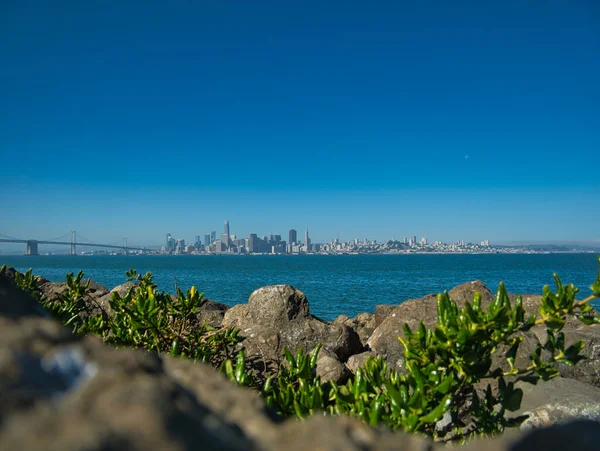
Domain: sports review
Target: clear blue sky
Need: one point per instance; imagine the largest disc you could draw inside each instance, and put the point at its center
(446, 119)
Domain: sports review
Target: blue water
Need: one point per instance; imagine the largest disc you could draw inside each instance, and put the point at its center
(334, 285)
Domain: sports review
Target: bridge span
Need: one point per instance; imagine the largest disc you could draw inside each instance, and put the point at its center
(31, 245)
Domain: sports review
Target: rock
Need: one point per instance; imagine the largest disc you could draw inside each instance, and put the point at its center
(278, 317)
(358, 360)
(212, 313)
(382, 312)
(466, 291)
(14, 302)
(557, 401)
(363, 324)
(384, 340)
(123, 289)
(96, 296)
(329, 368)
(237, 405)
(574, 435)
(344, 434)
(80, 394)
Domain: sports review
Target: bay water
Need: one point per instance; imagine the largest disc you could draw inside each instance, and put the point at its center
(333, 284)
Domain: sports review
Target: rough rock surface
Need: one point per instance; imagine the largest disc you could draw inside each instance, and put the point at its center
(363, 324)
(384, 340)
(212, 313)
(329, 368)
(278, 316)
(557, 401)
(358, 360)
(382, 311)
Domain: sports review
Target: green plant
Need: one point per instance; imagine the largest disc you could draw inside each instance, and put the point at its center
(442, 367)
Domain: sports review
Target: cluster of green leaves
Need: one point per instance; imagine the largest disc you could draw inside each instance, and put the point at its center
(143, 318)
(443, 366)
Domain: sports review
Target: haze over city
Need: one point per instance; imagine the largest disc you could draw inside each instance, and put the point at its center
(463, 121)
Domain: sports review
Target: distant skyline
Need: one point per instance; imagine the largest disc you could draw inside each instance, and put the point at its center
(452, 120)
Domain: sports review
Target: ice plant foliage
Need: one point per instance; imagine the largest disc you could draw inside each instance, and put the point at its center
(443, 365)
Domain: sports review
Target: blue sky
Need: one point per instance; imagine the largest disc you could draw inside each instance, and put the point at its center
(448, 119)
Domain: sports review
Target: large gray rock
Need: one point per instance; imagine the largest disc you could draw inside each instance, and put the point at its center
(358, 360)
(558, 400)
(212, 313)
(278, 317)
(95, 297)
(382, 311)
(329, 368)
(384, 340)
(61, 392)
(363, 324)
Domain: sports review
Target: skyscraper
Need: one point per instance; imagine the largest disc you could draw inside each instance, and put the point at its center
(293, 236)
(225, 236)
(307, 240)
(207, 240)
(253, 243)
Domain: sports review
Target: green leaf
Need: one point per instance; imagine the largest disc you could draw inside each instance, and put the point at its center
(438, 412)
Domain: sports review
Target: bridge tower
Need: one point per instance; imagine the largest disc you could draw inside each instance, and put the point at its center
(31, 248)
(73, 242)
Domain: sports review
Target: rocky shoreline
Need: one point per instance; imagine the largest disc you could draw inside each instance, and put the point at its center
(60, 391)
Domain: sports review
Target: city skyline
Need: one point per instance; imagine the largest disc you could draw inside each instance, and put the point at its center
(467, 120)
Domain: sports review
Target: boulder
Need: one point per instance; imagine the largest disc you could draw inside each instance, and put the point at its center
(326, 433)
(14, 302)
(384, 340)
(63, 392)
(363, 324)
(329, 368)
(278, 317)
(358, 360)
(124, 288)
(212, 313)
(382, 311)
(558, 400)
(574, 435)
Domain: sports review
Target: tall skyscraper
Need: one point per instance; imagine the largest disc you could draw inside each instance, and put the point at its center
(253, 243)
(293, 236)
(213, 236)
(207, 240)
(307, 240)
(226, 228)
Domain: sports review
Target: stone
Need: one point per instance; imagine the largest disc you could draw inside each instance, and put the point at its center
(384, 339)
(358, 360)
(124, 288)
(329, 368)
(212, 313)
(558, 400)
(322, 433)
(14, 303)
(363, 324)
(278, 317)
(382, 311)
(574, 435)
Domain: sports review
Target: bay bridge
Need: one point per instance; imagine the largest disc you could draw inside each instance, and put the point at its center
(31, 245)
